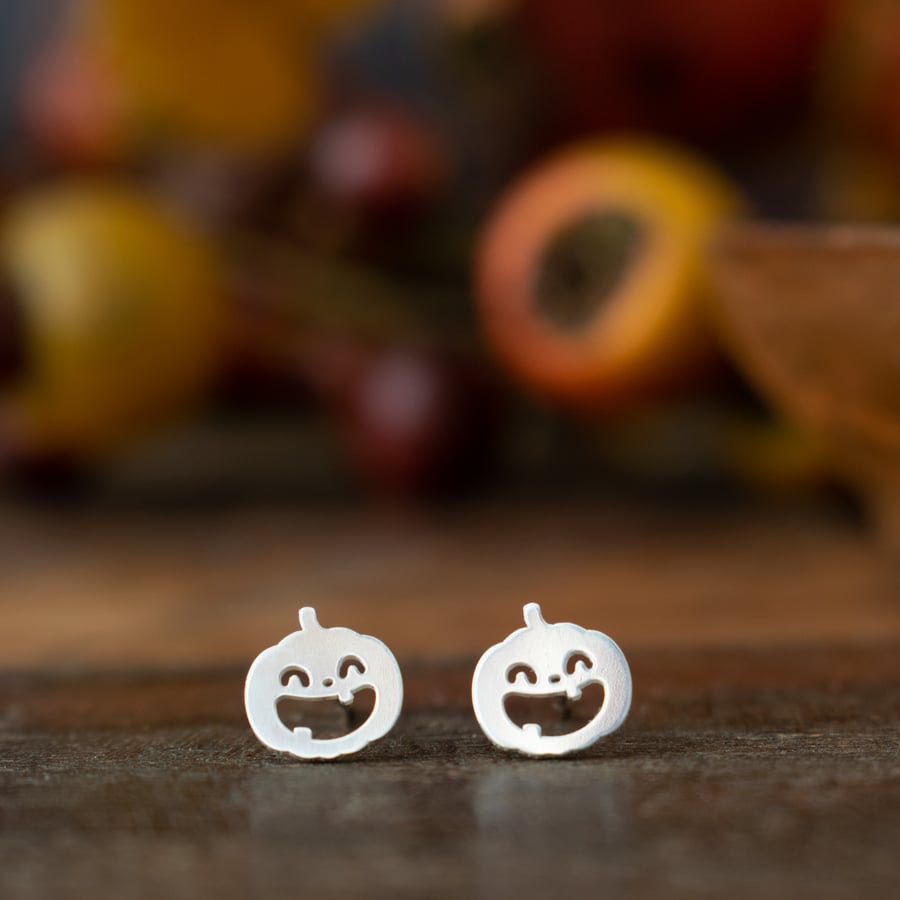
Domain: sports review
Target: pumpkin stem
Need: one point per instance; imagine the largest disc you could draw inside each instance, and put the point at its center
(533, 616)
(308, 619)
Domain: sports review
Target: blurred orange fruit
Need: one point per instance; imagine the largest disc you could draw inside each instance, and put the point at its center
(591, 273)
(209, 71)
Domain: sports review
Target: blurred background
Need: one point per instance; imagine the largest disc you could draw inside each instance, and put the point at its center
(418, 310)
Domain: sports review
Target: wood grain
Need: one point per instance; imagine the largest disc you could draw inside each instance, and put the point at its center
(120, 589)
(740, 773)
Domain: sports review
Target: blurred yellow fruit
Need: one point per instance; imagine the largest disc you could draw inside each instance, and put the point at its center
(123, 317)
(208, 71)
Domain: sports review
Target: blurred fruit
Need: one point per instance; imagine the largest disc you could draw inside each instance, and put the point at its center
(207, 72)
(73, 106)
(591, 273)
(413, 420)
(305, 325)
(704, 69)
(463, 70)
(121, 314)
(379, 161)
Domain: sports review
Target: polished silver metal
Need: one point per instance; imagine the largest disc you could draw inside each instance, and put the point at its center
(556, 662)
(315, 664)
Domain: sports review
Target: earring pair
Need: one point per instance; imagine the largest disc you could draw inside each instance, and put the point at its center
(538, 662)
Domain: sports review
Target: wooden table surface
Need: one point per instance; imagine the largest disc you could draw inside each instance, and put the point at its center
(742, 774)
(761, 758)
(107, 588)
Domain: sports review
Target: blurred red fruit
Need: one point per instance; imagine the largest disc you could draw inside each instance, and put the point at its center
(379, 161)
(73, 106)
(706, 69)
(415, 421)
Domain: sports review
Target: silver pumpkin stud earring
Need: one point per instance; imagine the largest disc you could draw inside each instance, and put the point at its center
(542, 661)
(315, 664)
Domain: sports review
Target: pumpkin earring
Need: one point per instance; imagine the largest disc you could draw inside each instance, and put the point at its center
(550, 662)
(315, 664)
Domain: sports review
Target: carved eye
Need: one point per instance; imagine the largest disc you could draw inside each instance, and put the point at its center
(530, 674)
(573, 659)
(296, 671)
(348, 663)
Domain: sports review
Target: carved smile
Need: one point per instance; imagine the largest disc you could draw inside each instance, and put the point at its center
(326, 718)
(553, 714)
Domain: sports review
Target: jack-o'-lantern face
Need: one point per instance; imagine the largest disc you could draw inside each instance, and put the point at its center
(554, 662)
(317, 664)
